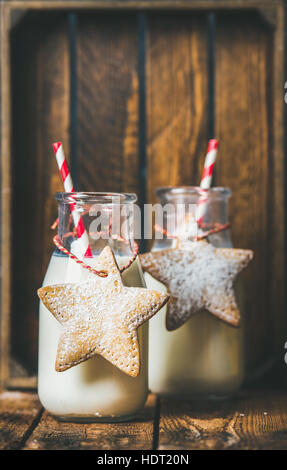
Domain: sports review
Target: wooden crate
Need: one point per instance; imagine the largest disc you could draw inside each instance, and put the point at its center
(134, 89)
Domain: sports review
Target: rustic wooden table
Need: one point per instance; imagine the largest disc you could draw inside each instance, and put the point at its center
(252, 420)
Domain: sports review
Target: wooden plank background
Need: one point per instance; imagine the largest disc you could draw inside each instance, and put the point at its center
(40, 60)
(107, 99)
(243, 111)
(130, 95)
(177, 101)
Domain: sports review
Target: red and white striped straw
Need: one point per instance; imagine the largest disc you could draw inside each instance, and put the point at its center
(206, 179)
(209, 164)
(85, 250)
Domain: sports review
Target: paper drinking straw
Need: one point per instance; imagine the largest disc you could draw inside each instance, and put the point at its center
(209, 164)
(85, 250)
(206, 179)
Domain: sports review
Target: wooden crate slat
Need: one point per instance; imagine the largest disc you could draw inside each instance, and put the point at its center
(107, 78)
(5, 195)
(254, 420)
(18, 412)
(142, 4)
(243, 116)
(277, 262)
(54, 435)
(177, 108)
(40, 88)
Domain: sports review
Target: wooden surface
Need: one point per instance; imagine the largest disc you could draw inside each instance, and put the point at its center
(253, 420)
(19, 412)
(133, 435)
(128, 95)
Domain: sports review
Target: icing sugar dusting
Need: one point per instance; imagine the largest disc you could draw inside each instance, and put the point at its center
(200, 277)
(101, 316)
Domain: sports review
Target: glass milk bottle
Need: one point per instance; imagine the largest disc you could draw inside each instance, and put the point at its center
(205, 355)
(94, 389)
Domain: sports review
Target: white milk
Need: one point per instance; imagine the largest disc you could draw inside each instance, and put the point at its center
(202, 357)
(94, 389)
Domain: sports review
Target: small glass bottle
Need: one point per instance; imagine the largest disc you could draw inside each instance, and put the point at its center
(205, 355)
(95, 389)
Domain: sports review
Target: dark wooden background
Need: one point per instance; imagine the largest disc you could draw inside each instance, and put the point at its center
(135, 95)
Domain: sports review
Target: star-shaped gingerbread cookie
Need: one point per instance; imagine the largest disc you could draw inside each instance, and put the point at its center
(200, 277)
(101, 316)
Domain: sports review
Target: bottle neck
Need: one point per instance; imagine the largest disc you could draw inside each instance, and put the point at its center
(91, 224)
(191, 212)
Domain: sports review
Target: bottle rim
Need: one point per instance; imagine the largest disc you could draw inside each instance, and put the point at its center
(95, 198)
(171, 191)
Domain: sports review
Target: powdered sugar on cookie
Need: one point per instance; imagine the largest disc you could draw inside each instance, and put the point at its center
(101, 316)
(200, 277)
